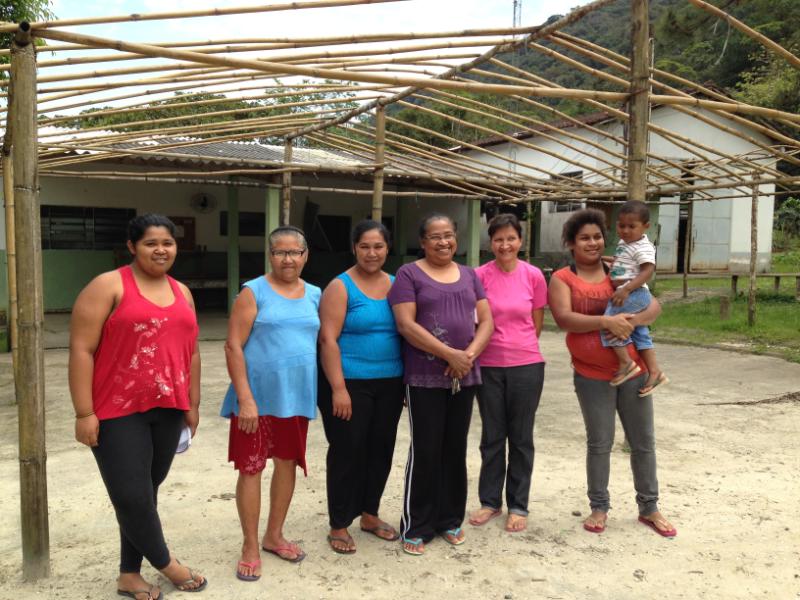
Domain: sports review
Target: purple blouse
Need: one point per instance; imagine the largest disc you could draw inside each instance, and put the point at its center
(447, 310)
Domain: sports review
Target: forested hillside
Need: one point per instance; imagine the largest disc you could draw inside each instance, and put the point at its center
(688, 42)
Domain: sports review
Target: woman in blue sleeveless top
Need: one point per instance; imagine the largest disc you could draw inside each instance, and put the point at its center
(362, 397)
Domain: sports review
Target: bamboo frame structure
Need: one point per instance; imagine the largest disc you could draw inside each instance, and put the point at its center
(350, 111)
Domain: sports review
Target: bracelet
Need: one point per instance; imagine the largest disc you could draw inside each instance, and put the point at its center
(84, 416)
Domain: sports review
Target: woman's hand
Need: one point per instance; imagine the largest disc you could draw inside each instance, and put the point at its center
(618, 326)
(342, 405)
(459, 363)
(248, 416)
(192, 419)
(87, 430)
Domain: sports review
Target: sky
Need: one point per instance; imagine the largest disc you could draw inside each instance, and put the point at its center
(391, 17)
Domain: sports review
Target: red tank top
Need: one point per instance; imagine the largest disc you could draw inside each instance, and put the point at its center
(589, 357)
(144, 355)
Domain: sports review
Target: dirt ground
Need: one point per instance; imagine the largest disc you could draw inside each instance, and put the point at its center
(728, 458)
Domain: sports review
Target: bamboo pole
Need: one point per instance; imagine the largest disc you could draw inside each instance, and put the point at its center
(286, 191)
(11, 252)
(761, 39)
(575, 15)
(380, 148)
(751, 294)
(639, 102)
(215, 12)
(29, 384)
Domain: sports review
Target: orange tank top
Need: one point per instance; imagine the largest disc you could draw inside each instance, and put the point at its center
(145, 353)
(589, 357)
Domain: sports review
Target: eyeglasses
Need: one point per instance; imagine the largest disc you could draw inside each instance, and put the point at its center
(287, 253)
(447, 237)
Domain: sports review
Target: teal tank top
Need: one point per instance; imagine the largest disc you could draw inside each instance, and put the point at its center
(281, 353)
(369, 342)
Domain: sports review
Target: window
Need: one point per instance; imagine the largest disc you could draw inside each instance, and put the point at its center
(84, 228)
(567, 205)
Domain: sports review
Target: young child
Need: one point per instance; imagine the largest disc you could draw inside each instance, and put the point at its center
(633, 264)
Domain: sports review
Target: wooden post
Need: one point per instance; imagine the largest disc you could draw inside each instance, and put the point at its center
(286, 209)
(380, 146)
(751, 294)
(11, 252)
(473, 233)
(639, 103)
(272, 215)
(29, 380)
(233, 245)
(724, 308)
(734, 285)
(536, 230)
(687, 252)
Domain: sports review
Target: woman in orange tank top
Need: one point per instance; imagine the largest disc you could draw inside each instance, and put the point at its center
(577, 297)
(134, 377)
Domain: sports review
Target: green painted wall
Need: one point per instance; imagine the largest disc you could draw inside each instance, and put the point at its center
(66, 272)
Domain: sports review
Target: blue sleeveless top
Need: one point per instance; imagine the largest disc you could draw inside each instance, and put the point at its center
(369, 342)
(281, 353)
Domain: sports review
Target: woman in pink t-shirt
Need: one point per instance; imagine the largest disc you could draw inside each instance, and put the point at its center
(513, 375)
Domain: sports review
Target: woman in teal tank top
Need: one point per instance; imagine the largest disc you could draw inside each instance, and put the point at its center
(361, 396)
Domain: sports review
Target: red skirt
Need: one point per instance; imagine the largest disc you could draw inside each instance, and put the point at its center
(276, 437)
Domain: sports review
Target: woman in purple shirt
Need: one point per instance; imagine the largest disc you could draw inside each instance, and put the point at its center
(436, 302)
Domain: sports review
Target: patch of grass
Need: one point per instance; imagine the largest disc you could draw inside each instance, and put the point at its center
(777, 328)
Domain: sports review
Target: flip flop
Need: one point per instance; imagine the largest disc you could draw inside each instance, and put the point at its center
(417, 546)
(451, 536)
(344, 540)
(667, 534)
(496, 512)
(294, 548)
(598, 528)
(249, 565)
(522, 519)
(191, 580)
(383, 527)
(134, 593)
(647, 389)
(622, 376)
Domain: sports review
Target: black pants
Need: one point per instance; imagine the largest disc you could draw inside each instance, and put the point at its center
(134, 455)
(435, 497)
(508, 400)
(360, 450)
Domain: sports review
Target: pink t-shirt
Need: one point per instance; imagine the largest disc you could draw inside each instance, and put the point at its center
(513, 297)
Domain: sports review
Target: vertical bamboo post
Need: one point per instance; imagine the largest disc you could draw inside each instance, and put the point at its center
(11, 252)
(286, 190)
(380, 147)
(233, 245)
(272, 215)
(29, 380)
(751, 294)
(639, 102)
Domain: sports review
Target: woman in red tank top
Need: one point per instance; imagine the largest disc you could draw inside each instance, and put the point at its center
(134, 376)
(577, 297)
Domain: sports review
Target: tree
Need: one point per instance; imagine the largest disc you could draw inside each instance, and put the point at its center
(15, 11)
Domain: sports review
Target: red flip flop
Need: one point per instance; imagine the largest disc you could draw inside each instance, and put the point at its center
(668, 533)
(594, 528)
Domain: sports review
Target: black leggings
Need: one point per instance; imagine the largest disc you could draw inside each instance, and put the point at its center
(360, 450)
(134, 455)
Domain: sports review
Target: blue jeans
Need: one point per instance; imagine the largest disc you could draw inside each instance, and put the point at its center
(637, 301)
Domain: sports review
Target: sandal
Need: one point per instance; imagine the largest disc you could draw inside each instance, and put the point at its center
(483, 515)
(623, 375)
(134, 593)
(648, 387)
(516, 523)
(347, 541)
(454, 537)
(393, 535)
(181, 586)
(417, 546)
(595, 525)
(248, 565)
